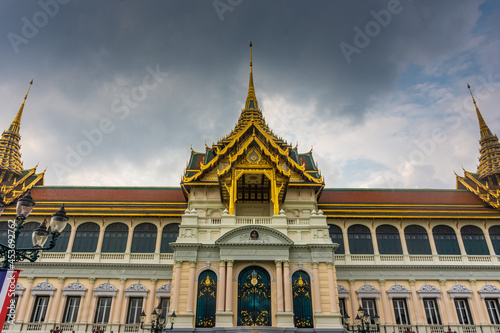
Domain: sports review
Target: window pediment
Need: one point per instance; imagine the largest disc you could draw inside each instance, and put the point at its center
(254, 235)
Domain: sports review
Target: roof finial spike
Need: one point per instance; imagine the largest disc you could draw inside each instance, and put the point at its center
(251, 103)
(485, 131)
(16, 124)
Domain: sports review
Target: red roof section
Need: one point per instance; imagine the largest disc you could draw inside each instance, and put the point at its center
(380, 196)
(107, 194)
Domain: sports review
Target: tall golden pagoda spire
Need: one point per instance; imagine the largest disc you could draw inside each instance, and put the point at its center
(489, 161)
(10, 155)
(483, 128)
(251, 103)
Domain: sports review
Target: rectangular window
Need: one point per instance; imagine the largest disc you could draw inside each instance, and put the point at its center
(342, 309)
(165, 305)
(102, 311)
(370, 307)
(493, 310)
(400, 311)
(134, 310)
(431, 311)
(463, 311)
(71, 309)
(40, 309)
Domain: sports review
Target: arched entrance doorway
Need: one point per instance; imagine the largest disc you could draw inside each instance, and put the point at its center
(254, 297)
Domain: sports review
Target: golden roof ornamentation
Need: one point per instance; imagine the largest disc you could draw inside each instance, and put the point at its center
(14, 179)
(485, 183)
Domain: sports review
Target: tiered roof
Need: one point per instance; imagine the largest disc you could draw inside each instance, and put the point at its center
(485, 183)
(14, 180)
(250, 131)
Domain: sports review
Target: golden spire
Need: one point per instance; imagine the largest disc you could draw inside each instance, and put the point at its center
(489, 161)
(251, 103)
(483, 128)
(16, 124)
(10, 155)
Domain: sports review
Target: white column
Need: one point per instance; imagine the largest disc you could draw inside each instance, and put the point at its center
(24, 309)
(315, 285)
(221, 289)
(416, 307)
(446, 302)
(279, 285)
(56, 301)
(286, 286)
(192, 290)
(332, 287)
(150, 300)
(229, 286)
(177, 287)
(386, 316)
(83, 315)
(119, 302)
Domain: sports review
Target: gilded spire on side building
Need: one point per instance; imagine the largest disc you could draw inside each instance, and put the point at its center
(10, 155)
(489, 161)
(251, 103)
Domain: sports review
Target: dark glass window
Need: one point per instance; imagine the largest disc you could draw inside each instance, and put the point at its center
(62, 240)
(445, 240)
(432, 311)
(26, 235)
(494, 232)
(474, 241)
(115, 238)
(4, 228)
(493, 310)
(360, 239)
(169, 235)
(165, 305)
(417, 240)
(337, 237)
(463, 311)
(302, 302)
(342, 309)
(40, 309)
(207, 299)
(401, 311)
(388, 240)
(102, 311)
(370, 308)
(86, 237)
(71, 309)
(144, 238)
(134, 310)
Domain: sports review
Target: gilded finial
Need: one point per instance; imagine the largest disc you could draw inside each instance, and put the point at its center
(483, 128)
(16, 124)
(251, 103)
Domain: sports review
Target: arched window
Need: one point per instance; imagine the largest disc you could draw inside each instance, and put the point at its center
(26, 235)
(445, 240)
(144, 239)
(86, 237)
(337, 237)
(254, 297)
(207, 299)
(388, 240)
(4, 229)
(494, 232)
(169, 235)
(302, 303)
(115, 238)
(474, 241)
(62, 240)
(417, 240)
(360, 239)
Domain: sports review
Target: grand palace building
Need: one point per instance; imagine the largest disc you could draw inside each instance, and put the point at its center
(252, 241)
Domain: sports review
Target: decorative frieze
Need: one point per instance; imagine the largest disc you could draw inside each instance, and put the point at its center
(136, 290)
(459, 290)
(105, 289)
(429, 291)
(489, 290)
(43, 288)
(368, 291)
(74, 289)
(398, 291)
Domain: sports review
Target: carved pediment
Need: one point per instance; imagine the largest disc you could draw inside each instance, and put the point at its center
(254, 235)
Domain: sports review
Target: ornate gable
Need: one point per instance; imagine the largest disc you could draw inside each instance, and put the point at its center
(251, 163)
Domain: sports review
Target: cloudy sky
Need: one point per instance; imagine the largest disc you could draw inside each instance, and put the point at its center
(123, 89)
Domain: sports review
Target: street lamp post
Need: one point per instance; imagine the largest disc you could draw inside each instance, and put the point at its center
(158, 324)
(363, 322)
(10, 252)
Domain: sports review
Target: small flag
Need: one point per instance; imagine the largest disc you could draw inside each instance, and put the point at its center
(8, 281)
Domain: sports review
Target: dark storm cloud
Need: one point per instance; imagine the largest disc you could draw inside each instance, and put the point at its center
(91, 53)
